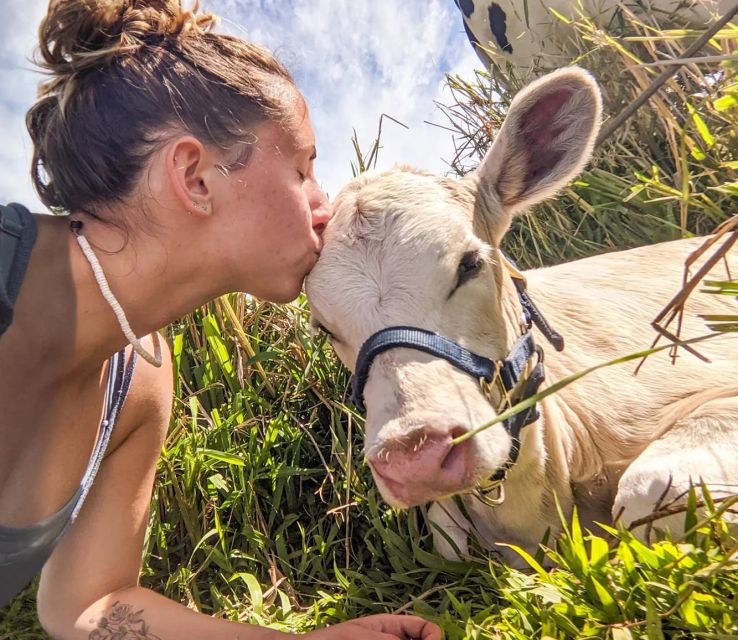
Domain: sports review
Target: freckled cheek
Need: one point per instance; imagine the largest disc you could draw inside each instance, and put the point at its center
(295, 214)
(279, 224)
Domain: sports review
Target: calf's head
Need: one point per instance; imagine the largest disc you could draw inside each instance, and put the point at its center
(409, 248)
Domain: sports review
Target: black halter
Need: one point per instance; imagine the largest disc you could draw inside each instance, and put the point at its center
(507, 372)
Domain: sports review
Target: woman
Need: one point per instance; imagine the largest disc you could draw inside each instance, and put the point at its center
(162, 141)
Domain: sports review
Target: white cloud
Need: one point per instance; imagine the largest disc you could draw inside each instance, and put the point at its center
(357, 60)
(353, 59)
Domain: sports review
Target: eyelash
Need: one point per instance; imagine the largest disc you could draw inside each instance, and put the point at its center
(325, 332)
(471, 264)
(304, 176)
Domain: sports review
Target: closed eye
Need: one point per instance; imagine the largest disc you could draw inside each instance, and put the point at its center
(317, 329)
(308, 171)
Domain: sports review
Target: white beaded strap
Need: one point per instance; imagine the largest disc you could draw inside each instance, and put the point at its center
(155, 359)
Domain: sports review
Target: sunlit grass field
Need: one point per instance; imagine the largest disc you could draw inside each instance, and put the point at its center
(264, 510)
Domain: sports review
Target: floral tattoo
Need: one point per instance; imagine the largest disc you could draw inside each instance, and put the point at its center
(122, 624)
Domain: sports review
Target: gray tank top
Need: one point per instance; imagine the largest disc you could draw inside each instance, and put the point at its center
(24, 550)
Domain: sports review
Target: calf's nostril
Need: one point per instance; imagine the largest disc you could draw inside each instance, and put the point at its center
(457, 432)
(423, 452)
(457, 453)
(418, 466)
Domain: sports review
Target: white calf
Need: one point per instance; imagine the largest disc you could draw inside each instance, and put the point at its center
(407, 248)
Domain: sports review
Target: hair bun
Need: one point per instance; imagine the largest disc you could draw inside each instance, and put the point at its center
(77, 35)
(160, 17)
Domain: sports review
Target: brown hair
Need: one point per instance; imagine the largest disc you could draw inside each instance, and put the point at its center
(126, 72)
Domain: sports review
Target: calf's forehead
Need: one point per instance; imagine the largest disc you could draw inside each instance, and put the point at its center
(408, 200)
(390, 233)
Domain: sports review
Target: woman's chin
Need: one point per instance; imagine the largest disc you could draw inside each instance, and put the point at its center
(283, 284)
(282, 292)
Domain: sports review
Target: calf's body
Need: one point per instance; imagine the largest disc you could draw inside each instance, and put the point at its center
(615, 443)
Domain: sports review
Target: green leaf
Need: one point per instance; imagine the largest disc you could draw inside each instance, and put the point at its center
(256, 595)
(599, 551)
(218, 347)
(219, 482)
(224, 456)
(654, 630)
(701, 126)
(723, 103)
(644, 554)
(527, 557)
(608, 602)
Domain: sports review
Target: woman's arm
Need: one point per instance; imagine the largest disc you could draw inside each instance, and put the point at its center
(140, 613)
(145, 615)
(89, 587)
(101, 552)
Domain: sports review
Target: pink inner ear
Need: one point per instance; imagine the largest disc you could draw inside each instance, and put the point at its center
(538, 134)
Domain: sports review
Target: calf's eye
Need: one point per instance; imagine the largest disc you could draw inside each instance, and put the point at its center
(470, 265)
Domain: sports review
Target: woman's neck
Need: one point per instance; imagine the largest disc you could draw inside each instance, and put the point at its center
(63, 304)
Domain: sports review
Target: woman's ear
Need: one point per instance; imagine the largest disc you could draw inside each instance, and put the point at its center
(545, 141)
(188, 172)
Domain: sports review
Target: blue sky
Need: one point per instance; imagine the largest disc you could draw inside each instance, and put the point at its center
(353, 59)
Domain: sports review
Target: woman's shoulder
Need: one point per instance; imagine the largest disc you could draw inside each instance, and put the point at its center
(150, 395)
(152, 384)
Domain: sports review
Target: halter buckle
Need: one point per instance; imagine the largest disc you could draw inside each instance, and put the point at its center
(487, 388)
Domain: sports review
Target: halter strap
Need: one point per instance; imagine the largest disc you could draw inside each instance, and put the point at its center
(530, 310)
(422, 340)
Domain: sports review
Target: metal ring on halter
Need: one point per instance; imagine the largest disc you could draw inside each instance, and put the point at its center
(484, 494)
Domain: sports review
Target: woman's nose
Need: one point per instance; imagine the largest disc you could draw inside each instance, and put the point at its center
(322, 209)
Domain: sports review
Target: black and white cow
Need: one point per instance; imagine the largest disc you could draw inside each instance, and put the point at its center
(528, 34)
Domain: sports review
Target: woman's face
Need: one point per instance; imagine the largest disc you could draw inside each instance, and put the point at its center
(276, 210)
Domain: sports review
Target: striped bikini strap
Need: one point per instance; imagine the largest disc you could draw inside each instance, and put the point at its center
(120, 374)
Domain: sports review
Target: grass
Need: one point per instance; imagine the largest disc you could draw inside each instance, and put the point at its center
(264, 510)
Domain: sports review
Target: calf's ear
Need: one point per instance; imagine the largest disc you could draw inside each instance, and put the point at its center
(545, 141)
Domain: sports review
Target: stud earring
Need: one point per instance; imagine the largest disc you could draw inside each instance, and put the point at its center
(201, 205)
